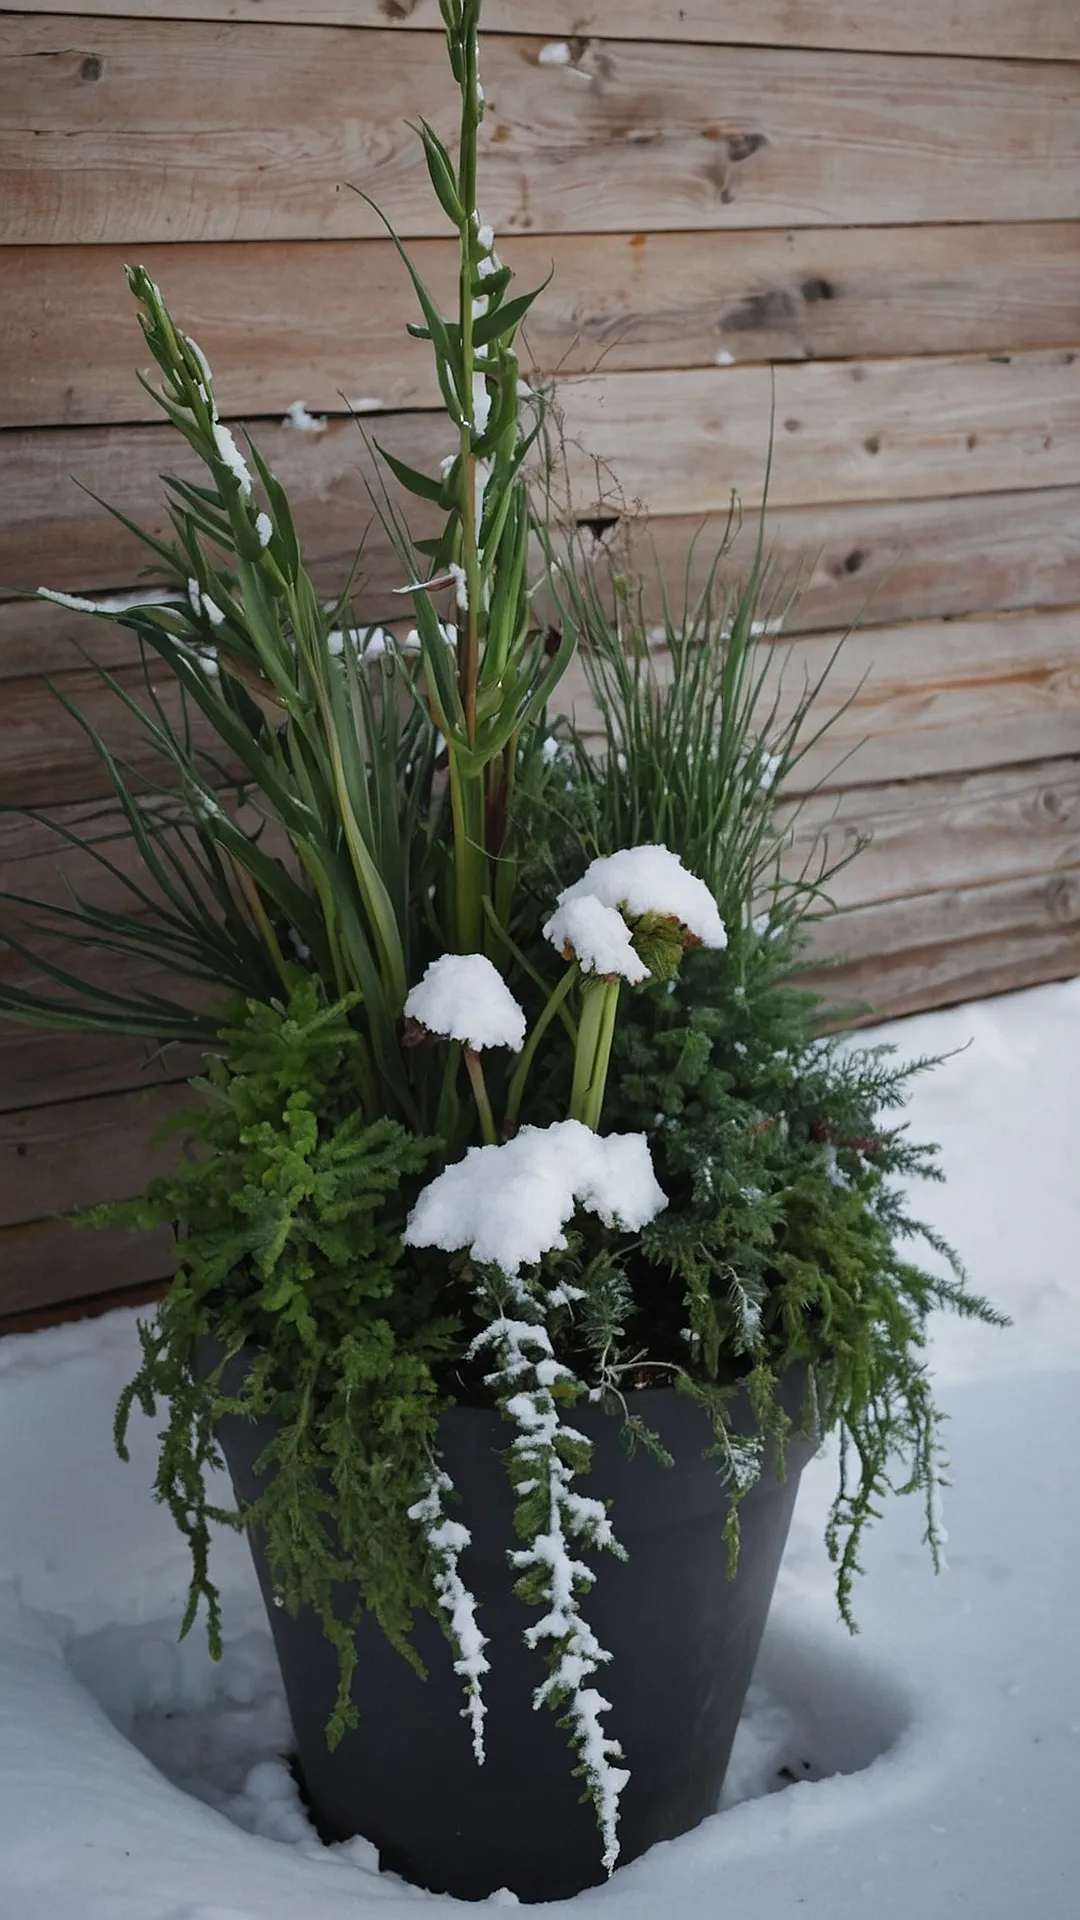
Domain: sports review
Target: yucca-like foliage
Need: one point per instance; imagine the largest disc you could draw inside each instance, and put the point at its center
(349, 850)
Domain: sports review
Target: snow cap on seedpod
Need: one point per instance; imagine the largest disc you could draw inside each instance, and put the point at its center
(633, 913)
(462, 996)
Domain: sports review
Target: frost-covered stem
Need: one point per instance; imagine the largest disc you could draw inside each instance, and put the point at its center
(447, 1540)
(520, 1074)
(544, 1459)
(475, 1069)
(592, 1056)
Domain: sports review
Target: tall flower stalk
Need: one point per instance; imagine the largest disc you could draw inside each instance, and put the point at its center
(503, 679)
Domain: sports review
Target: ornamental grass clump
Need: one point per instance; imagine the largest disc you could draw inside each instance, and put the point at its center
(511, 1095)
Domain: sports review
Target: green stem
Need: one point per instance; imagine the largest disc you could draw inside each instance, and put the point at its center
(474, 1068)
(526, 965)
(521, 1071)
(467, 791)
(249, 889)
(598, 1085)
(592, 1055)
(467, 810)
(470, 647)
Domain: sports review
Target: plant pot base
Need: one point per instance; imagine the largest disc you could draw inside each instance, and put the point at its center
(683, 1640)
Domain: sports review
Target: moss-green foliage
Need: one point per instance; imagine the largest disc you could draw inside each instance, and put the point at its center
(292, 1209)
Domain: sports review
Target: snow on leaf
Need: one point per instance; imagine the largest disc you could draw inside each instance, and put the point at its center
(447, 1540)
(230, 456)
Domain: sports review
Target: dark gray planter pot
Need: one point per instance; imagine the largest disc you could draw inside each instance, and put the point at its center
(684, 1639)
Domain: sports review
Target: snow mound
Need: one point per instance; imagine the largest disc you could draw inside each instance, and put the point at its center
(597, 937)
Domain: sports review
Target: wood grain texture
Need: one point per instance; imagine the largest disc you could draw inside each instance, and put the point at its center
(880, 562)
(316, 320)
(36, 860)
(1027, 949)
(931, 836)
(631, 136)
(925, 698)
(1038, 30)
(864, 430)
(939, 697)
(883, 430)
(89, 1307)
(46, 758)
(873, 564)
(39, 1067)
(50, 1261)
(53, 1159)
(956, 945)
(920, 836)
(930, 698)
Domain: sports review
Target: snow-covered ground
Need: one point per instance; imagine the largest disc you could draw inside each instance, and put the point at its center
(930, 1767)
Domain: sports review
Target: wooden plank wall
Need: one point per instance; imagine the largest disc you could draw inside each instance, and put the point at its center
(870, 210)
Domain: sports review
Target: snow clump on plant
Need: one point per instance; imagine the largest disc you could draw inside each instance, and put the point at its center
(462, 996)
(510, 1204)
(652, 879)
(597, 937)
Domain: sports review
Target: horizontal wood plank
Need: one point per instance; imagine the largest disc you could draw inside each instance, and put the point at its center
(921, 699)
(314, 321)
(928, 836)
(876, 563)
(906, 981)
(919, 836)
(47, 759)
(88, 1307)
(939, 697)
(54, 1159)
(904, 956)
(628, 136)
(934, 697)
(1043, 30)
(873, 564)
(883, 430)
(865, 430)
(39, 1066)
(48, 1262)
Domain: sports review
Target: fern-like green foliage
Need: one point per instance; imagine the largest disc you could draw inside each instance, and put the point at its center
(291, 1256)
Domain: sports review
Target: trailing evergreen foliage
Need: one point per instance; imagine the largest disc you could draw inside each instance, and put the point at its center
(291, 1257)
